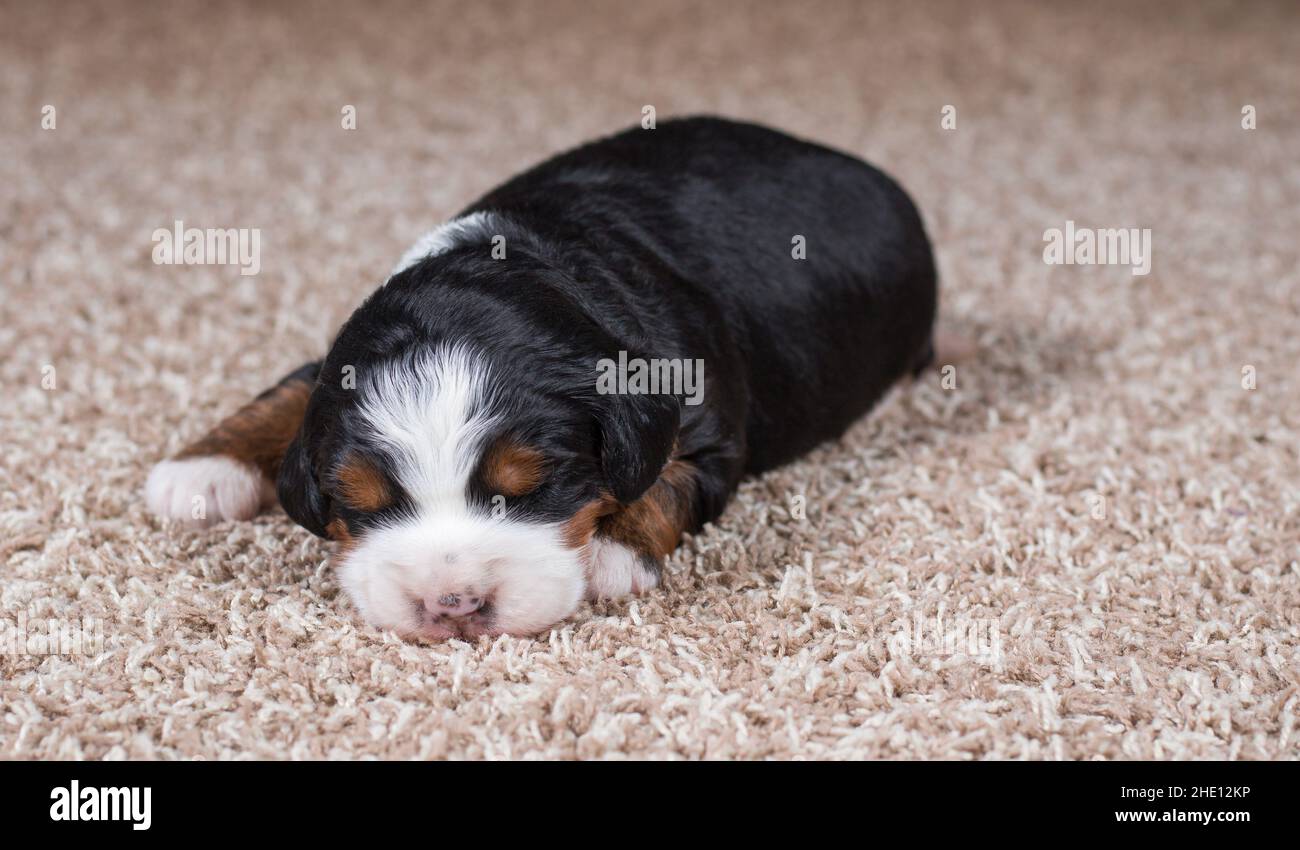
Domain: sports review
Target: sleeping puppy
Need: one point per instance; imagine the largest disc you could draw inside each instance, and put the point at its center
(550, 389)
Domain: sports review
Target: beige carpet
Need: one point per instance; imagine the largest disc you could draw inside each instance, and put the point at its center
(1098, 503)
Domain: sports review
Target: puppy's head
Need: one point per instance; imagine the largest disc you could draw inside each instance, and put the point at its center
(463, 484)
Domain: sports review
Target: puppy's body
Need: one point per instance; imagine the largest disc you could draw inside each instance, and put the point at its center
(455, 441)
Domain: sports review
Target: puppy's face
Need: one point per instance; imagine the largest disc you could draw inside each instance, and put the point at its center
(463, 496)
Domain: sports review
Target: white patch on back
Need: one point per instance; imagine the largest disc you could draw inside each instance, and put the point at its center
(447, 236)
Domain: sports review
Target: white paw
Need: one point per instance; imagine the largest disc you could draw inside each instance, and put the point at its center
(616, 571)
(203, 491)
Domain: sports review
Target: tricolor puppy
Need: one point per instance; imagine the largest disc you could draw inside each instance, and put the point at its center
(463, 441)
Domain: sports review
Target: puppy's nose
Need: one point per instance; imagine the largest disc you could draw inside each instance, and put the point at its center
(453, 604)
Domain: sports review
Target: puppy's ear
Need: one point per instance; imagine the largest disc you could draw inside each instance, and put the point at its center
(637, 434)
(299, 492)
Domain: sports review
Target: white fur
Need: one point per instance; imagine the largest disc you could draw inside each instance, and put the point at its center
(224, 488)
(616, 571)
(429, 413)
(430, 416)
(446, 236)
(529, 577)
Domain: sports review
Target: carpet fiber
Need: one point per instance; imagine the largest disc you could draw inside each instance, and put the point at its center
(1084, 546)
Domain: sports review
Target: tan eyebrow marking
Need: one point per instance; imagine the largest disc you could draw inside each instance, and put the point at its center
(362, 486)
(512, 468)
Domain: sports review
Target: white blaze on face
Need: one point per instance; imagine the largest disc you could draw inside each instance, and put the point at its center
(431, 415)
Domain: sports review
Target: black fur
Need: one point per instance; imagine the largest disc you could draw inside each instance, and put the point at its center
(674, 242)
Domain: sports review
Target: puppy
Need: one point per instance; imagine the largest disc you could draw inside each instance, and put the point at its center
(504, 427)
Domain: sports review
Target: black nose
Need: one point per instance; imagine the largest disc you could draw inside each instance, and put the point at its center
(453, 604)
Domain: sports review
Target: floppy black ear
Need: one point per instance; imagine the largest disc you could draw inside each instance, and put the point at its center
(637, 433)
(299, 494)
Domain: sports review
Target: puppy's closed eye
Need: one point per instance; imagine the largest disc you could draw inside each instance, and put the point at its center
(513, 468)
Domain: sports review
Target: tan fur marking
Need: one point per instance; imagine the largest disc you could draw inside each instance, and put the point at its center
(362, 486)
(259, 432)
(512, 468)
(578, 530)
(338, 532)
(654, 523)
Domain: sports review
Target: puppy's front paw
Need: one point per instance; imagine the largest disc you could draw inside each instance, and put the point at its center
(202, 491)
(617, 570)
